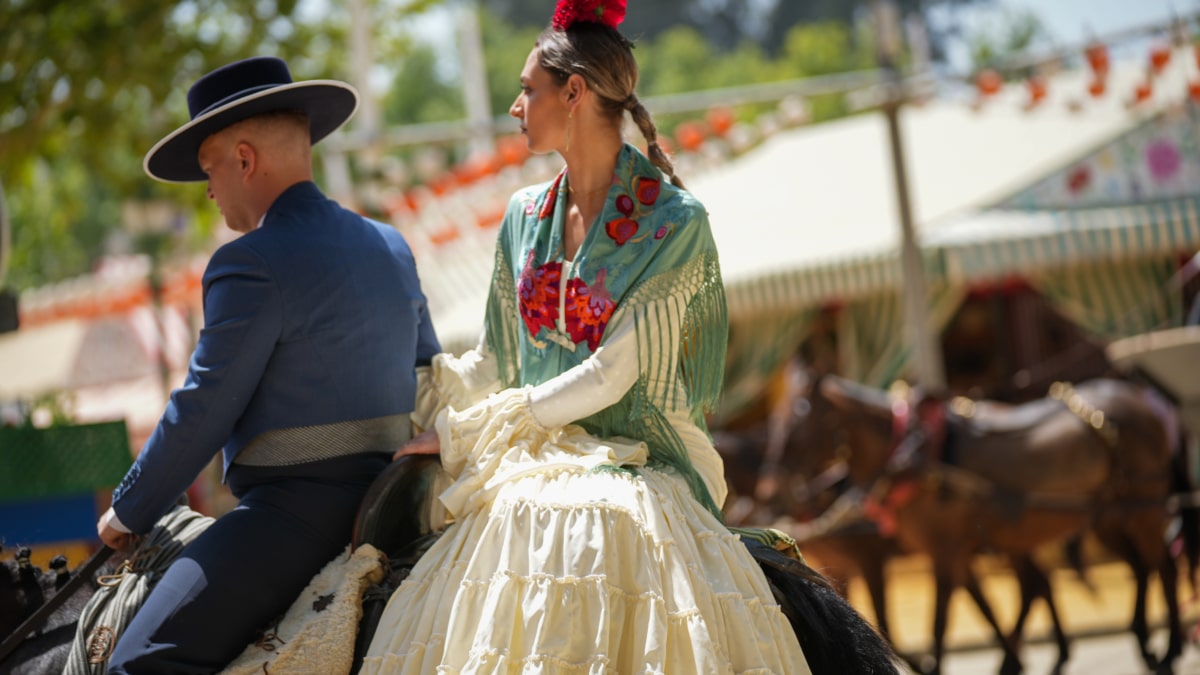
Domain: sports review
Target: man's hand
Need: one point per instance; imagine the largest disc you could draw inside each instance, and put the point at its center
(118, 540)
(424, 443)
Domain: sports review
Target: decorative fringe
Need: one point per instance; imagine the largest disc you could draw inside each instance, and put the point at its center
(501, 326)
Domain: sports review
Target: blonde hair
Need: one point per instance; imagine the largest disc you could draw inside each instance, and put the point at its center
(604, 59)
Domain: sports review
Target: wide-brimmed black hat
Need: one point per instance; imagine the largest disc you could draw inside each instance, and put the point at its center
(240, 90)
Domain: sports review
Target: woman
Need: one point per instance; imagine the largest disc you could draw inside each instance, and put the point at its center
(587, 534)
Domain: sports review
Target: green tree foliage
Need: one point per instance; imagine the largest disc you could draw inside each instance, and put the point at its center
(1009, 35)
(643, 20)
(505, 48)
(89, 87)
(725, 24)
(787, 13)
(418, 93)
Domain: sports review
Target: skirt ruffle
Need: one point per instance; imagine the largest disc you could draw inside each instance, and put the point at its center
(578, 567)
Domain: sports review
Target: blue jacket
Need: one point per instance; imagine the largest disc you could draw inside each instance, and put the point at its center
(314, 318)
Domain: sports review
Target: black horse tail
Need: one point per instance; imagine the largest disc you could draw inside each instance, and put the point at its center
(836, 639)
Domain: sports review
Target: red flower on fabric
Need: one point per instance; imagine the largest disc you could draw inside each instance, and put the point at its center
(551, 198)
(588, 309)
(608, 12)
(1078, 179)
(648, 189)
(625, 205)
(537, 293)
(621, 229)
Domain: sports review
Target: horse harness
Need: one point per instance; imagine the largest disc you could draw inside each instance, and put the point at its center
(924, 452)
(35, 620)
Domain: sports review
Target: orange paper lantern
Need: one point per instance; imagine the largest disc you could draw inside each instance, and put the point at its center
(690, 136)
(1097, 57)
(1160, 56)
(1037, 89)
(720, 120)
(988, 82)
(1143, 92)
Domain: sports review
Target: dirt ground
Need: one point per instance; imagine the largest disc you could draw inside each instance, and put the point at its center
(1106, 607)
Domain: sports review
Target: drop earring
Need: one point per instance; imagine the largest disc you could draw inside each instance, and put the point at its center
(568, 146)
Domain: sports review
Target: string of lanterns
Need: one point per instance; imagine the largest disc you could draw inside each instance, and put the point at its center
(448, 203)
(989, 82)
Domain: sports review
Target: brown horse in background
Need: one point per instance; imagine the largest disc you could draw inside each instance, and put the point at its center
(1007, 479)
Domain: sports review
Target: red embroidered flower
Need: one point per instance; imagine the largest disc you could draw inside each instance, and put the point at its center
(621, 229)
(588, 310)
(608, 12)
(625, 205)
(551, 198)
(537, 293)
(648, 189)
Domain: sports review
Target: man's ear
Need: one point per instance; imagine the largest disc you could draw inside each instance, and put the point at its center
(246, 157)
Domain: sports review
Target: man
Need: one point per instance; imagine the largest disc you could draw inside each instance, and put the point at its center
(305, 371)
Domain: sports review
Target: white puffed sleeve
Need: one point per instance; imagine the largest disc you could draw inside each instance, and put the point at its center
(455, 381)
(597, 383)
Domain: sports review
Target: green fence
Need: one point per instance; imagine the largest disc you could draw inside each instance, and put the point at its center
(37, 463)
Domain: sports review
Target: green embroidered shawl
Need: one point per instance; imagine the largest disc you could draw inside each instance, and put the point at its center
(650, 255)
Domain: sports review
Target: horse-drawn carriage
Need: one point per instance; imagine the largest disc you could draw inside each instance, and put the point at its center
(1170, 361)
(955, 478)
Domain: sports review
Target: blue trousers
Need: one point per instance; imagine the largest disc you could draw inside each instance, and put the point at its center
(248, 567)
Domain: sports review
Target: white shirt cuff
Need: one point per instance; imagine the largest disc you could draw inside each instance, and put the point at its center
(115, 523)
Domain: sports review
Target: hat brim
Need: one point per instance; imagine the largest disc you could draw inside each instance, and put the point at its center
(328, 104)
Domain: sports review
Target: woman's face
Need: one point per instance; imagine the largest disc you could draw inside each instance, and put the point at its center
(541, 107)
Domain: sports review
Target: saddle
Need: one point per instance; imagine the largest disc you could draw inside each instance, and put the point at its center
(401, 517)
(1036, 448)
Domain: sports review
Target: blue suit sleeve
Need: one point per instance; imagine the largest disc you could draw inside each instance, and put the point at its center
(242, 323)
(428, 345)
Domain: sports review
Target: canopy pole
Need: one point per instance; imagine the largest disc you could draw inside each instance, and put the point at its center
(926, 350)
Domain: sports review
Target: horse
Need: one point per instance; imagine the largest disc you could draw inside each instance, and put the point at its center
(821, 514)
(1002, 478)
(396, 518)
(24, 588)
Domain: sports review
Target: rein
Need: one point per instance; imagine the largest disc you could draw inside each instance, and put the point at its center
(917, 441)
(35, 620)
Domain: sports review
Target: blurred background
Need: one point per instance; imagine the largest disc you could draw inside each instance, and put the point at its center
(978, 196)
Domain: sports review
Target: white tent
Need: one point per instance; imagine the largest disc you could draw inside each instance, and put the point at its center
(812, 214)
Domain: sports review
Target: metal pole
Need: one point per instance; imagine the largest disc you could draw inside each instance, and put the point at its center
(475, 86)
(926, 352)
(368, 119)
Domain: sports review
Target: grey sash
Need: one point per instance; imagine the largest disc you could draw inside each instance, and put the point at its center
(299, 445)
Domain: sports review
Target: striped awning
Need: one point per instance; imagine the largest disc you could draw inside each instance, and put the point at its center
(791, 289)
(999, 243)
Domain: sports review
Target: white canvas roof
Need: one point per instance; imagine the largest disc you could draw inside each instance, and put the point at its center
(825, 194)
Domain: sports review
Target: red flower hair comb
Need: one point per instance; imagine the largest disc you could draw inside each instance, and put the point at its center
(608, 12)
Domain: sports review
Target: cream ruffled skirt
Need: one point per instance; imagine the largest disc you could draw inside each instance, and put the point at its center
(557, 563)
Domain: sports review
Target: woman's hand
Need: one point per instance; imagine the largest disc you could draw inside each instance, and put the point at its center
(424, 443)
